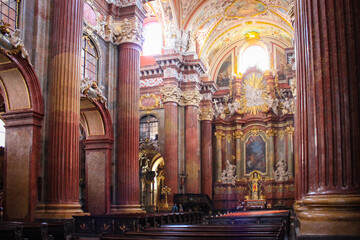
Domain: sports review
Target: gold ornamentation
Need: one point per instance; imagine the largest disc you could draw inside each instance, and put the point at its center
(255, 131)
(206, 113)
(254, 97)
(191, 98)
(281, 133)
(219, 134)
(166, 190)
(149, 102)
(171, 94)
(252, 36)
(228, 138)
(289, 130)
(238, 134)
(271, 132)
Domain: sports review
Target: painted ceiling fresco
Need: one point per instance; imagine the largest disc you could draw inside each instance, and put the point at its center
(216, 24)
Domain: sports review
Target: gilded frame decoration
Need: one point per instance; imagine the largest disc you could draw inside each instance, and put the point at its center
(263, 136)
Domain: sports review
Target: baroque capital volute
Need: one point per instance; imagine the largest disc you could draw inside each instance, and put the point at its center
(191, 98)
(170, 94)
(129, 31)
(219, 134)
(206, 113)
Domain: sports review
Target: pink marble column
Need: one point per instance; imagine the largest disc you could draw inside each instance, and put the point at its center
(62, 198)
(206, 157)
(192, 151)
(327, 117)
(171, 147)
(127, 129)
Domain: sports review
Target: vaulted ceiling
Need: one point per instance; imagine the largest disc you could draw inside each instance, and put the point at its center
(216, 24)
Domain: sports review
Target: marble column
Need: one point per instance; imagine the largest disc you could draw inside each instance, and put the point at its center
(327, 117)
(206, 117)
(272, 165)
(171, 96)
(219, 137)
(62, 198)
(290, 150)
(127, 121)
(237, 136)
(192, 154)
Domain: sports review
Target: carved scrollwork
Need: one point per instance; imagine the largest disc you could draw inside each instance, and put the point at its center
(129, 30)
(191, 98)
(171, 94)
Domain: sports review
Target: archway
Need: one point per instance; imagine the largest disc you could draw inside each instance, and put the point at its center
(23, 116)
(98, 143)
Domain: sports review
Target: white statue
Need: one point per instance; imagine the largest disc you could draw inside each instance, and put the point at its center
(274, 104)
(281, 174)
(17, 43)
(253, 96)
(91, 90)
(228, 175)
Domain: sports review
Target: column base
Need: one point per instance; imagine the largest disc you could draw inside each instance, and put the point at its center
(330, 215)
(124, 209)
(58, 211)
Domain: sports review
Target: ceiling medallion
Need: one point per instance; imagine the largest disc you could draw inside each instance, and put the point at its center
(245, 8)
(254, 98)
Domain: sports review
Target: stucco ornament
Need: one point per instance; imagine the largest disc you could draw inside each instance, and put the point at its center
(90, 90)
(170, 94)
(281, 174)
(228, 175)
(191, 98)
(129, 30)
(18, 44)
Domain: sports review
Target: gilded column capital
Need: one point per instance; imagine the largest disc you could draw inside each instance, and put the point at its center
(238, 134)
(191, 98)
(129, 31)
(206, 113)
(219, 134)
(289, 130)
(271, 132)
(171, 94)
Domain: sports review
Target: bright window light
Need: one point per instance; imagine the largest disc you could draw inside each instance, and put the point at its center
(2, 134)
(153, 39)
(254, 56)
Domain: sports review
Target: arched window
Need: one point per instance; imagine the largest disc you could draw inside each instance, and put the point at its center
(254, 56)
(148, 128)
(90, 59)
(153, 39)
(9, 12)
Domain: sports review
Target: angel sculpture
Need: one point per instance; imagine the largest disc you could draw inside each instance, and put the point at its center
(18, 44)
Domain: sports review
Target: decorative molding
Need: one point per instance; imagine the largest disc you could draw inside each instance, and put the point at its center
(238, 134)
(151, 82)
(219, 134)
(90, 90)
(11, 43)
(149, 102)
(191, 98)
(171, 73)
(129, 31)
(271, 132)
(171, 94)
(289, 130)
(228, 138)
(206, 113)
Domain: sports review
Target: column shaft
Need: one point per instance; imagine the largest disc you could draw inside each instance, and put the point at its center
(192, 158)
(64, 111)
(327, 116)
(206, 158)
(171, 148)
(127, 128)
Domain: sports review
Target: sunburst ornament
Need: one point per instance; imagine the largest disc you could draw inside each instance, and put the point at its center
(254, 98)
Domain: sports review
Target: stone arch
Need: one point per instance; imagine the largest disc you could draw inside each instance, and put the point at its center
(24, 111)
(98, 153)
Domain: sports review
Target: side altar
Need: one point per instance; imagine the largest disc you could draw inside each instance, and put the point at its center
(253, 141)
